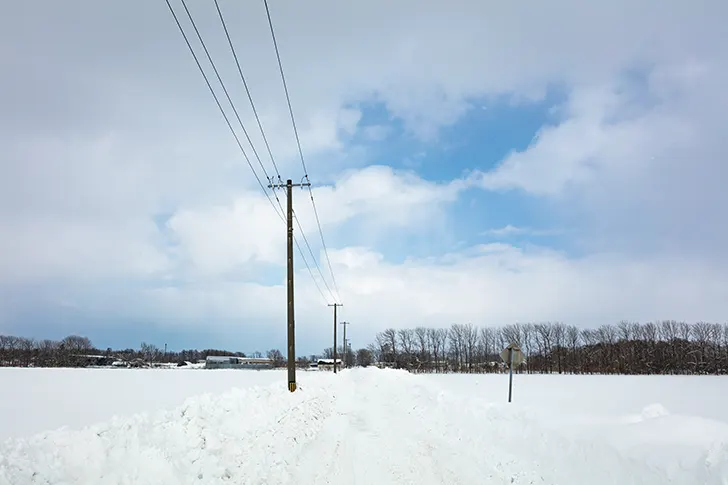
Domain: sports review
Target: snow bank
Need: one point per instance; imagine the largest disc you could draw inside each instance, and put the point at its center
(242, 436)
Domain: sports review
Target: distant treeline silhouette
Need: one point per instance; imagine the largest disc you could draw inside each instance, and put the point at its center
(73, 350)
(666, 347)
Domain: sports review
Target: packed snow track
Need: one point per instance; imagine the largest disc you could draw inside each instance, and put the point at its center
(364, 426)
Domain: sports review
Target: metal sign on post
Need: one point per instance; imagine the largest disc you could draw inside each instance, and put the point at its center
(513, 356)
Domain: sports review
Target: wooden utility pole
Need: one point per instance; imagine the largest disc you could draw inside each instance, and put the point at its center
(335, 305)
(346, 354)
(291, 320)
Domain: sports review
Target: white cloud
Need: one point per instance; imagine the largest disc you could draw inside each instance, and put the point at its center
(637, 161)
(399, 198)
(124, 132)
(48, 249)
(595, 137)
(510, 230)
(498, 284)
(492, 284)
(220, 238)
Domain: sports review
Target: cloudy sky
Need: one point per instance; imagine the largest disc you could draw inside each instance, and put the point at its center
(472, 161)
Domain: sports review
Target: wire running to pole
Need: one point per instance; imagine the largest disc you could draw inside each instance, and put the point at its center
(247, 90)
(323, 243)
(300, 251)
(265, 138)
(232, 130)
(227, 95)
(298, 143)
(305, 239)
(219, 106)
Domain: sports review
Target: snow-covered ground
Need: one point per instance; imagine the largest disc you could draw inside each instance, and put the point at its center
(361, 426)
(35, 400)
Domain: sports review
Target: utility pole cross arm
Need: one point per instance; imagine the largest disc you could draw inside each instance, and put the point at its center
(288, 183)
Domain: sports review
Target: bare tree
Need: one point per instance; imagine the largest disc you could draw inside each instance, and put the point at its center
(527, 335)
(544, 338)
(573, 338)
(375, 352)
(488, 345)
(150, 352)
(702, 335)
(26, 346)
(78, 344)
(47, 350)
(364, 357)
(559, 335)
(437, 340)
(457, 346)
(422, 346)
(406, 338)
(276, 356)
(470, 344)
(390, 337)
(625, 331)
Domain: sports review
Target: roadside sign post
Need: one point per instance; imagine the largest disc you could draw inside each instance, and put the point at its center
(513, 356)
(510, 374)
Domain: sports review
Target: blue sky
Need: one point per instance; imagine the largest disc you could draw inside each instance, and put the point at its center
(480, 140)
(486, 163)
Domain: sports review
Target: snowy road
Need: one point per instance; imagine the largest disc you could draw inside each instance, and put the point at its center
(378, 437)
(361, 427)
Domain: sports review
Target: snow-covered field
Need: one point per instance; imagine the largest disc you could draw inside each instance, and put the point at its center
(362, 426)
(36, 400)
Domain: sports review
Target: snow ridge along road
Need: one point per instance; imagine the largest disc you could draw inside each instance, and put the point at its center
(363, 426)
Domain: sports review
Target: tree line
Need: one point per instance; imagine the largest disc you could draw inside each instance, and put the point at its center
(665, 347)
(73, 351)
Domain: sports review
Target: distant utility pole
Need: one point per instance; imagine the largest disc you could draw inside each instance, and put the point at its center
(291, 326)
(335, 305)
(346, 354)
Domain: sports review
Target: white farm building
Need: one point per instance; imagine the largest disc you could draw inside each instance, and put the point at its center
(233, 362)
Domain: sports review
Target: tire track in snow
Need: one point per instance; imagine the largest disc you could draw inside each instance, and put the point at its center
(389, 427)
(373, 437)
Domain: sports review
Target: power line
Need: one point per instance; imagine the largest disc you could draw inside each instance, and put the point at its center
(323, 243)
(305, 239)
(309, 271)
(227, 95)
(265, 139)
(219, 106)
(250, 97)
(298, 143)
(232, 131)
(285, 87)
